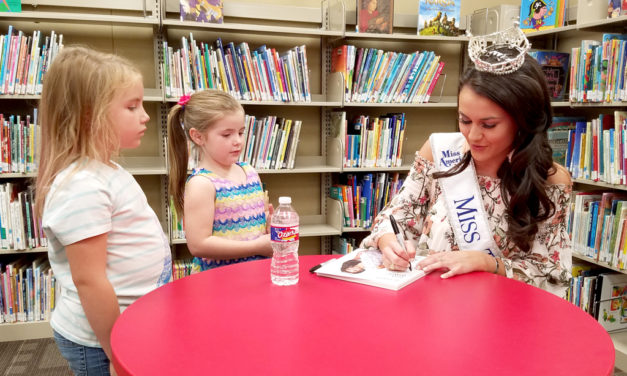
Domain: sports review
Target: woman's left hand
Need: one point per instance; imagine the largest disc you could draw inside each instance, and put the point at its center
(457, 262)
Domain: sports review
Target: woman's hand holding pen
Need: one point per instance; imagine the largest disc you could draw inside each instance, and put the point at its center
(458, 262)
(394, 256)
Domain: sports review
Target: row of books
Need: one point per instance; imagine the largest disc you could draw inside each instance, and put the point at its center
(341, 245)
(598, 227)
(24, 59)
(27, 290)
(597, 149)
(370, 141)
(181, 268)
(602, 295)
(559, 136)
(176, 223)
(376, 76)
(19, 143)
(597, 70)
(270, 142)
(19, 227)
(364, 195)
(260, 75)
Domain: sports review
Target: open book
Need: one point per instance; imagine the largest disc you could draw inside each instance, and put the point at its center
(366, 266)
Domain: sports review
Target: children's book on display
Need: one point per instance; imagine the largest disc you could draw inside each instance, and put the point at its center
(375, 16)
(11, 6)
(611, 300)
(555, 66)
(438, 17)
(365, 266)
(209, 11)
(538, 15)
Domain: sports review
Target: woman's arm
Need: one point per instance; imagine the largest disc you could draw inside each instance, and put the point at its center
(409, 207)
(199, 213)
(88, 265)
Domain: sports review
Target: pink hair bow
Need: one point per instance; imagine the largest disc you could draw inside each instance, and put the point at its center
(183, 100)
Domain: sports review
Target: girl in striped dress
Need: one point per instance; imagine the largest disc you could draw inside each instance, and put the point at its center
(222, 201)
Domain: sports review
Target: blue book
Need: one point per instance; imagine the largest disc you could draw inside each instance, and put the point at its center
(594, 213)
(385, 97)
(580, 129)
(422, 73)
(367, 193)
(362, 73)
(395, 56)
(5, 57)
(413, 74)
(222, 57)
(261, 51)
(240, 76)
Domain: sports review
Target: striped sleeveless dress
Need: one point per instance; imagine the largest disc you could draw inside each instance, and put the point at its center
(239, 213)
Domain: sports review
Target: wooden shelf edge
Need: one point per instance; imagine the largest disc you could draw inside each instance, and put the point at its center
(599, 263)
(600, 184)
(21, 251)
(620, 346)
(19, 331)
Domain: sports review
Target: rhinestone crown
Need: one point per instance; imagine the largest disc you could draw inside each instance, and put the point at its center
(487, 51)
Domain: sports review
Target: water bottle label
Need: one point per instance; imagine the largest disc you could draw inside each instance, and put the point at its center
(284, 234)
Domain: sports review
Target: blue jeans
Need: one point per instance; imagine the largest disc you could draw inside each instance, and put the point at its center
(84, 360)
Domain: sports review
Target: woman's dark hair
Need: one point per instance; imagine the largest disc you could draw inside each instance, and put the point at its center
(524, 95)
(349, 264)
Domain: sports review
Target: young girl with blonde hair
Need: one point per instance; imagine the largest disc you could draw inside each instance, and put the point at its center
(222, 201)
(107, 247)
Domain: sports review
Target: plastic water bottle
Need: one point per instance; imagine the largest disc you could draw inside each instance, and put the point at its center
(284, 240)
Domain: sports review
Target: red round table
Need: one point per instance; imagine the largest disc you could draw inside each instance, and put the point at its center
(234, 321)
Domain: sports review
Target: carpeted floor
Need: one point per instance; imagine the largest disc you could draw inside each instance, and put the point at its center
(36, 357)
(40, 357)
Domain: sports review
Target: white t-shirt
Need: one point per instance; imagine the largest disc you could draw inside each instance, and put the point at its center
(94, 200)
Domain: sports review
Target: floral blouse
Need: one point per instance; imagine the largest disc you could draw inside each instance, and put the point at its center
(421, 212)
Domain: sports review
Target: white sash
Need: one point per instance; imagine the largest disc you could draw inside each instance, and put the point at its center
(462, 195)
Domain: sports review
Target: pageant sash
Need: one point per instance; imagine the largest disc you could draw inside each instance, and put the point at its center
(462, 196)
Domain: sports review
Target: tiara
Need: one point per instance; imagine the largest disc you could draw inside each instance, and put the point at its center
(486, 51)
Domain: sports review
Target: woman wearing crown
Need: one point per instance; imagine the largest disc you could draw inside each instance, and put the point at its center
(489, 198)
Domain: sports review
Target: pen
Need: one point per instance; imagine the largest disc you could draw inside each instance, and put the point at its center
(316, 267)
(399, 237)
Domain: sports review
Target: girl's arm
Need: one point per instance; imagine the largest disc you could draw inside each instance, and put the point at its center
(88, 264)
(199, 213)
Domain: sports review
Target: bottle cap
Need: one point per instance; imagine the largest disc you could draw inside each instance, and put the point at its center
(285, 200)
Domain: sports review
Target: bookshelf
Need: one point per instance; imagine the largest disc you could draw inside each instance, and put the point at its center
(136, 29)
(563, 39)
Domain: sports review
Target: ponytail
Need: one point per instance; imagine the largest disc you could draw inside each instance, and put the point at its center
(178, 156)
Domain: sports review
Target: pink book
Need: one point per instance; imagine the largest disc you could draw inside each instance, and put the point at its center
(433, 82)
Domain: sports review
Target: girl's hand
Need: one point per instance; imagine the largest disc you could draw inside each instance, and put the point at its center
(269, 212)
(264, 245)
(394, 257)
(458, 262)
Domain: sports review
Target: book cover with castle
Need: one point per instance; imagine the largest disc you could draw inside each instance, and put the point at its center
(438, 17)
(209, 11)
